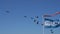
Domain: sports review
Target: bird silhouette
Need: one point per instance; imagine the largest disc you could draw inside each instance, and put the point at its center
(25, 16)
(7, 11)
(36, 17)
(34, 20)
(37, 22)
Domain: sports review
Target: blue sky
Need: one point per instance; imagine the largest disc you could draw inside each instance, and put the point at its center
(15, 23)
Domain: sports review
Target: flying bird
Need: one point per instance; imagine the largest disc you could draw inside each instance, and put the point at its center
(37, 22)
(25, 16)
(51, 31)
(34, 20)
(7, 11)
(36, 17)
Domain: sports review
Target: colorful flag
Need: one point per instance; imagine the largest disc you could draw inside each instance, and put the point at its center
(57, 12)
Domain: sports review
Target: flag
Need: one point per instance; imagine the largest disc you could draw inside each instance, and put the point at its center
(49, 23)
(47, 16)
(46, 19)
(57, 12)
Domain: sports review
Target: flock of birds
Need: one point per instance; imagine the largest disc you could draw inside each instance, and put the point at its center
(34, 19)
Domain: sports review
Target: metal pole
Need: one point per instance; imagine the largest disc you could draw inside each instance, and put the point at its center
(43, 25)
(43, 29)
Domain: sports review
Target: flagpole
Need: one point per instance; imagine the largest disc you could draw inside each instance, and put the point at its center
(43, 25)
(43, 29)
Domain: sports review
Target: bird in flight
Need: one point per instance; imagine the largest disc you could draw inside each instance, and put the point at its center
(7, 11)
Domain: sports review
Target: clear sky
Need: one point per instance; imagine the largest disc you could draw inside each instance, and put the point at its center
(15, 23)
